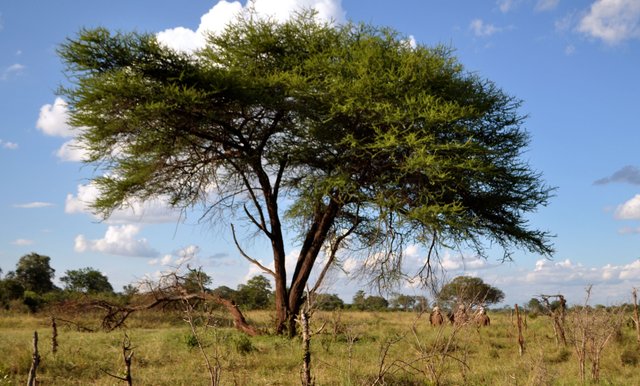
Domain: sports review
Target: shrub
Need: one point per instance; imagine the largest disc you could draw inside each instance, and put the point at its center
(243, 344)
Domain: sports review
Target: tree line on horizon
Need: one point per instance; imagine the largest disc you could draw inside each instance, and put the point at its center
(31, 286)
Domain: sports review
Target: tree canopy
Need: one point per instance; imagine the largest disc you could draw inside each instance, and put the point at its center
(362, 142)
(34, 273)
(254, 294)
(468, 291)
(86, 280)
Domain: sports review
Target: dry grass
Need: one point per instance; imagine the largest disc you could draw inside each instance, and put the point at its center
(353, 348)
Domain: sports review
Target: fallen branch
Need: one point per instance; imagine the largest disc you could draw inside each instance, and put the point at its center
(116, 315)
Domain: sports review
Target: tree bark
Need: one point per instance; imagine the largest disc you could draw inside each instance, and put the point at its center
(306, 260)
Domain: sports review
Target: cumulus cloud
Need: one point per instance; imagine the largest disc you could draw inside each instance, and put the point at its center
(22, 242)
(629, 174)
(118, 240)
(630, 210)
(565, 272)
(150, 212)
(224, 12)
(481, 29)
(546, 5)
(71, 151)
(53, 119)
(8, 145)
(458, 262)
(568, 273)
(35, 204)
(612, 21)
(185, 256)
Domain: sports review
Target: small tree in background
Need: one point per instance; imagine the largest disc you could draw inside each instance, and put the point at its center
(468, 291)
(358, 301)
(403, 302)
(375, 303)
(328, 302)
(86, 280)
(35, 274)
(255, 294)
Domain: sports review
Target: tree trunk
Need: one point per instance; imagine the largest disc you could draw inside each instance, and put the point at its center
(311, 247)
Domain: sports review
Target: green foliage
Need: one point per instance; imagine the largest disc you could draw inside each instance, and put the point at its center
(254, 294)
(32, 300)
(328, 302)
(86, 280)
(358, 300)
(375, 303)
(10, 289)
(34, 273)
(196, 281)
(403, 302)
(469, 291)
(242, 344)
(369, 303)
(535, 306)
(191, 341)
(225, 292)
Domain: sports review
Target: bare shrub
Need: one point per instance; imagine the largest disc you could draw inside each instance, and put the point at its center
(590, 330)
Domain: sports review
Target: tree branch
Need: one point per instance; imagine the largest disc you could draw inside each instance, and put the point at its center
(254, 261)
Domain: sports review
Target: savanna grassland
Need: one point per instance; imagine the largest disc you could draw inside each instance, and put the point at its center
(347, 348)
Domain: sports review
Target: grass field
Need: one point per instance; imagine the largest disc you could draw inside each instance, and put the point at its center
(347, 348)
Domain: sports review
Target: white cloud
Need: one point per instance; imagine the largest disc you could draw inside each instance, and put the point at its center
(612, 21)
(118, 240)
(462, 263)
(185, 256)
(35, 204)
(290, 264)
(14, 69)
(546, 5)
(22, 242)
(481, 29)
(568, 273)
(150, 212)
(8, 145)
(630, 210)
(224, 12)
(565, 272)
(53, 119)
(71, 151)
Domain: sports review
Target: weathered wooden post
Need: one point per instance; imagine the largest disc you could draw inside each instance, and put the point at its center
(636, 318)
(35, 361)
(520, 337)
(54, 335)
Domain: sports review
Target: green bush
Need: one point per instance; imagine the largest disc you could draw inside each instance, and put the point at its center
(32, 300)
(243, 344)
(191, 341)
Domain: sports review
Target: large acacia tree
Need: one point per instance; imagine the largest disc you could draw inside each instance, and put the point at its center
(360, 141)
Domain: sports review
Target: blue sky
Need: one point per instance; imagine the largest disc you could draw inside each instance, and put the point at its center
(573, 63)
